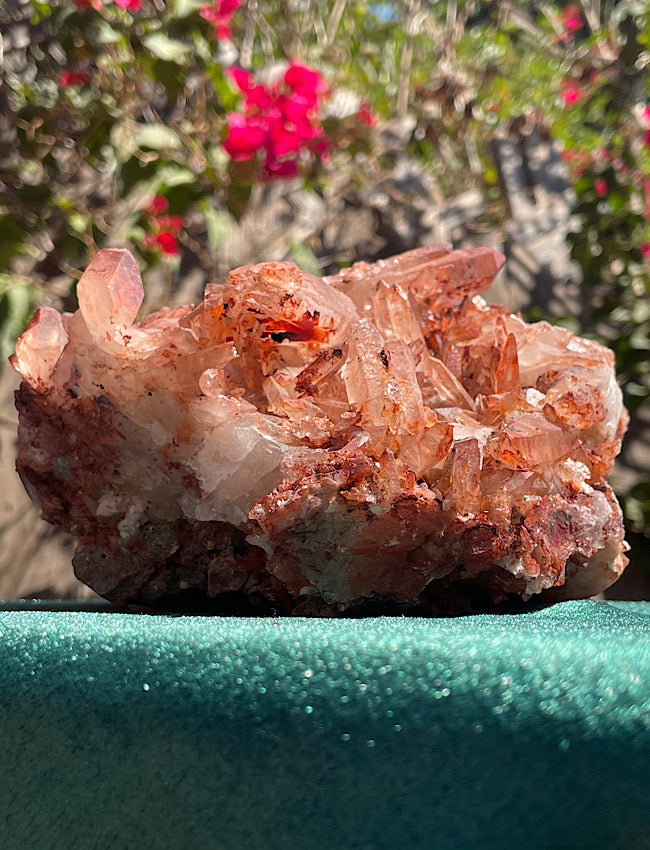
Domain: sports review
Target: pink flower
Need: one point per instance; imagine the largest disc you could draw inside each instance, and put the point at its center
(259, 99)
(243, 79)
(73, 78)
(572, 18)
(600, 185)
(366, 115)
(220, 14)
(645, 250)
(646, 135)
(244, 138)
(306, 82)
(570, 91)
(279, 168)
(132, 5)
(280, 119)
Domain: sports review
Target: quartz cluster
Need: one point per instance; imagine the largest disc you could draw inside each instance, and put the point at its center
(376, 440)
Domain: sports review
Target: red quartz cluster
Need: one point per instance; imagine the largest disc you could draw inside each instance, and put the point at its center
(377, 440)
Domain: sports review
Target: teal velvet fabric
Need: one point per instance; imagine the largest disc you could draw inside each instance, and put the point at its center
(514, 731)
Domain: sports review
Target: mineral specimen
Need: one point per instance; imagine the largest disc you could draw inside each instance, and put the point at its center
(377, 440)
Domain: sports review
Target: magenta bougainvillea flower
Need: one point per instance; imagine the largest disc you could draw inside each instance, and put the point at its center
(600, 185)
(305, 82)
(280, 121)
(220, 13)
(245, 137)
(572, 18)
(570, 91)
(366, 115)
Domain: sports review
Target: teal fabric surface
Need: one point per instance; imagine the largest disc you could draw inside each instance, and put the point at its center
(520, 731)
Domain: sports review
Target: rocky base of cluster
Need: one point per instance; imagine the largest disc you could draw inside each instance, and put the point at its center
(381, 440)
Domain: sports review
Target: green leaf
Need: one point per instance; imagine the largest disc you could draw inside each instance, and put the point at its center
(18, 300)
(304, 257)
(158, 137)
(228, 96)
(169, 49)
(174, 175)
(107, 35)
(78, 222)
(183, 8)
(218, 158)
(218, 224)
(11, 239)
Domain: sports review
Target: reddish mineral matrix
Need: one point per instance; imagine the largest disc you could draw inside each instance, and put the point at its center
(380, 440)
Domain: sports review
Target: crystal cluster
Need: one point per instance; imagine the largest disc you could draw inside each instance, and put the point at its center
(377, 440)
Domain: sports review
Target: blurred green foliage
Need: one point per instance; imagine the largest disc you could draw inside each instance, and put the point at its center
(81, 162)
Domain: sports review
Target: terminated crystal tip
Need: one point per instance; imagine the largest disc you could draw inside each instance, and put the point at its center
(110, 293)
(377, 440)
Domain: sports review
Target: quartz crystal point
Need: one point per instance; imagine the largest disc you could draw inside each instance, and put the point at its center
(377, 440)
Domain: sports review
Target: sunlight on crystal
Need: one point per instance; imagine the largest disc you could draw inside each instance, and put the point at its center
(379, 437)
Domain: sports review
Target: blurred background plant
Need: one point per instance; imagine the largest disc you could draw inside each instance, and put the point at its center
(203, 134)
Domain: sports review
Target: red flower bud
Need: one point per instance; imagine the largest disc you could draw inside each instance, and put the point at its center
(600, 185)
(167, 242)
(159, 204)
(572, 17)
(570, 92)
(73, 78)
(366, 115)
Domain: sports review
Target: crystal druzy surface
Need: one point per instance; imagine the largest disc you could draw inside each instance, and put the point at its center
(380, 439)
